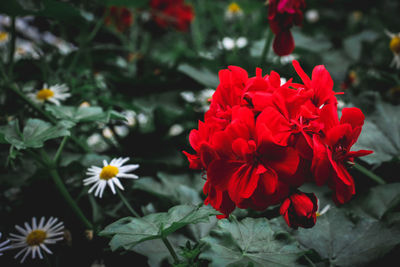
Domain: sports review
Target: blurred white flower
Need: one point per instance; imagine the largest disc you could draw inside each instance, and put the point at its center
(188, 96)
(53, 94)
(4, 246)
(26, 49)
(241, 42)
(4, 37)
(283, 81)
(108, 175)
(34, 238)
(394, 46)
(63, 47)
(233, 12)
(130, 117)
(175, 130)
(312, 15)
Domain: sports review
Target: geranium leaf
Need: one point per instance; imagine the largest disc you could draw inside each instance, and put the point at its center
(128, 232)
(378, 201)
(346, 243)
(82, 114)
(178, 189)
(34, 134)
(381, 133)
(250, 242)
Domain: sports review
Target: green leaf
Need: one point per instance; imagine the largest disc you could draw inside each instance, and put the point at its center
(250, 242)
(381, 133)
(378, 201)
(128, 232)
(353, 44)
(346, 243)
(202, 76)
(75, 115)
(34, 134)
(178, 189)
(156, 251)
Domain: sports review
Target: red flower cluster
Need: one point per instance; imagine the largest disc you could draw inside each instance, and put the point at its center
(282, 15)
(120, 17)
(261, 140)
(172, 13)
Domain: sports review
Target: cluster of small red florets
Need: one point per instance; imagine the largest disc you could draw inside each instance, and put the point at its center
(172, 13)
(120, 17)
(261, 140)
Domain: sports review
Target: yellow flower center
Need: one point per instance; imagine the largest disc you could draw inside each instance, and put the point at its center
(44, 94)
(3, 36)
(395, 45)
(36, 237)
(108, 172)
(234, 8)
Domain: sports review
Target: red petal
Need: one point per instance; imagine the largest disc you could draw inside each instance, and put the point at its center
(352, 116)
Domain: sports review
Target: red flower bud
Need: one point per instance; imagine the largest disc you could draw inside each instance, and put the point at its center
(300, 210)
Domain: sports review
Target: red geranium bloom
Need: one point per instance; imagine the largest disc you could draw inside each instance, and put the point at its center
(300, 210)
(249, 157)
(174, 13)
(121, 17)
(332, 151)
(282, 15)
(261, 140)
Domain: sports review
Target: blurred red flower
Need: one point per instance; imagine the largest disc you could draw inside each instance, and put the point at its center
(172, 13)
(282, 15)
(120, 17)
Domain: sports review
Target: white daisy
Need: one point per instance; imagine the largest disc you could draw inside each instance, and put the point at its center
(108, 175)
(53, 94)
(33, 238)
(233, 12)
(3, 246)
(394, 46)
(4, 37)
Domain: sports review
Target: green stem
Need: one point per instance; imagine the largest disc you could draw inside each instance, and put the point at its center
(60, 149)
(368, 173)
(170, 249)
(12, 45)
(71, 202)
(267, 46)
(164, 239)
(125, 201)
(83, 43)
(63, 190)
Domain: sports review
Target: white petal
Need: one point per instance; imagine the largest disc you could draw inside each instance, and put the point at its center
(127, 175)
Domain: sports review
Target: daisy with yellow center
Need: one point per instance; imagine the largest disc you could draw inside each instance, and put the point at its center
(394, 46)
(3, 246)
(35, 237)
(108, 175)
(4, 37)
(53, 94)
(234, 11)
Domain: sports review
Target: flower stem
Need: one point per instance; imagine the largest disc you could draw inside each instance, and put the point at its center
(125, 201)
(368, 173)
(71, 202)
(12, 46)
(170, 249)
(63, 190)
(164, 238)
(60, 149)
(267, 46)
